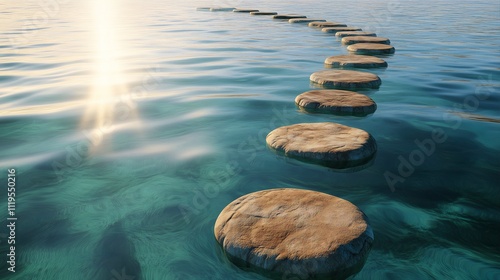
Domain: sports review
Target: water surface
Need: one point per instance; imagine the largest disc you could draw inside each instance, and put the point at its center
(132, 124)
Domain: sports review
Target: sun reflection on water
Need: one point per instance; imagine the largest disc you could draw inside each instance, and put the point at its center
(109, 84)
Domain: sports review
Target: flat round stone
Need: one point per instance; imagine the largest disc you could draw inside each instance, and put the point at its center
(340, 102)
(288, 16)
(221, 9)
(304, 20)
(331, 144)
(370, 48)
(244, 11)
(284, 232)
(326, 24)
(354, 33)
(263, 13)
(339, 29)
(345, 79)
(365, 39)
(355, 61)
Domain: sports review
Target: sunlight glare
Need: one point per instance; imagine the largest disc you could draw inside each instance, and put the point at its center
(108, 85)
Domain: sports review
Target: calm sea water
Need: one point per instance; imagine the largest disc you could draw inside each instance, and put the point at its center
(132, 124)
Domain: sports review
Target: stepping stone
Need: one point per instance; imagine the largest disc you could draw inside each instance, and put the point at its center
(339, 29)
(244, 11)
(220, 9)
(330, 144)
(369, 48)
(365, 39)
(293, 232)
(288, 16)
(263, 13)
(304, 20)
(339, 102)
(345, 79)
(354, 33)
(326, 24)
(203, 8)
(355, 61)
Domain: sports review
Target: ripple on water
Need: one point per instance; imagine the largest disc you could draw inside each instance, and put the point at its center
(223, 82)
(29, 66)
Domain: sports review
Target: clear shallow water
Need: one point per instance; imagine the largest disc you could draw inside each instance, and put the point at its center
(132, 124)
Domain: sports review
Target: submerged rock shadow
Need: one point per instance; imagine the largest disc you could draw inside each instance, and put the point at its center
(115, 256)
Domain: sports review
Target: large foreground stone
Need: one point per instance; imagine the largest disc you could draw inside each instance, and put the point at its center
(365, 39)
(329, 144)
(354, 33)
(355, 61)
(326, 24)
(339, 29)
(340, 102)
(295, 234)
(370, 48)
(345, 79)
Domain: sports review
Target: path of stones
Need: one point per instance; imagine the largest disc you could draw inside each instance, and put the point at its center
(279, 232)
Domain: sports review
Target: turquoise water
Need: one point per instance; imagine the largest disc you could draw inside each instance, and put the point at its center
(132, 124)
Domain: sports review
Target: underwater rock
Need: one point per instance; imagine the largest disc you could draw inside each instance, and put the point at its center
(115, 255)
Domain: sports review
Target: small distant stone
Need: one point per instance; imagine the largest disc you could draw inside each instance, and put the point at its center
(345, 79)
(355, 61)
(304, 20)
(370, 48)
(293, 232)
(203, 8)
(354, 33)
(340, 102)
(288, 16)
(331, 144)
(339, 29)
(365, 39)
(221, 9)
(244, 11)
(263, 13)
(326, 24)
